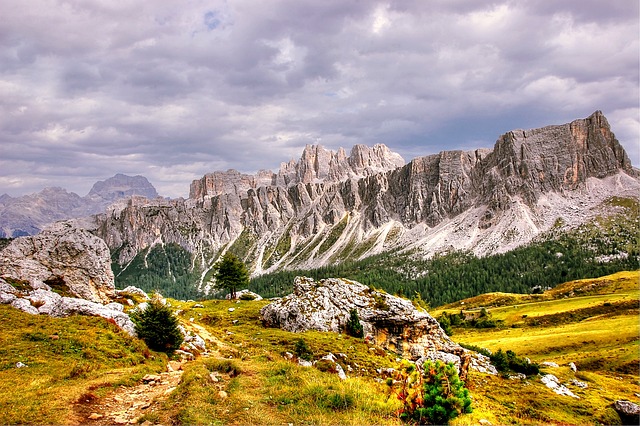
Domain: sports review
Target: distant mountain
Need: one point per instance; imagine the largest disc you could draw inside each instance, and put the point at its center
(28, 214)
(329, 207)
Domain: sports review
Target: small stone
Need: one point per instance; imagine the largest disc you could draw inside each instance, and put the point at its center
(95, 416)
(120, 420)
(174, 366)
(214, 378)
(550, 364)
(20, 364)
(222, 394)
(198, 305)
(573, 367)
(232, 309)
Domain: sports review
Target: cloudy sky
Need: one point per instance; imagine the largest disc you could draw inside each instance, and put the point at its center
(175, 89)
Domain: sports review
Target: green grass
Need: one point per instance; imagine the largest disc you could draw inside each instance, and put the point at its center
(266, 388)
(90, 356)
(604, 346)
(65, 358)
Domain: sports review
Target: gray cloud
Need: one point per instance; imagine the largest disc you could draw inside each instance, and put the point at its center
(175, 90)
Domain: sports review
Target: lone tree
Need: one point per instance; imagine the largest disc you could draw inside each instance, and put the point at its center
(158, 327)
(354, 327)
(231, 274)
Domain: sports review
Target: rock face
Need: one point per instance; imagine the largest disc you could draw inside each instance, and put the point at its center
(330, 206)
(316, 165)
(392, 322)
(64, 257)
(29, 214)
(46, 302)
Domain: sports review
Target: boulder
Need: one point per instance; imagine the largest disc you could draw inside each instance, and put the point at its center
(47, 302)
(246, 293)
(552, 382)
(628, 411)
(70, 259)
(391, 322)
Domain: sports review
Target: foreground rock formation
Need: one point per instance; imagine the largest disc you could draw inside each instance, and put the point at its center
(391, 322)
(63, 270)
(62, 256)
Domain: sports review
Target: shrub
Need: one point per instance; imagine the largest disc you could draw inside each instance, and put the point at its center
(445, 324)
(354, 327)
(436, 395)
(302, 350)
(158, 327)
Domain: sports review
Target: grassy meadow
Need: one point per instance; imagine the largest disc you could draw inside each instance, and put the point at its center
(593, 323)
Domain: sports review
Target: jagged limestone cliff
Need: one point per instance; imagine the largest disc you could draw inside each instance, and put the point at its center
(328, 207)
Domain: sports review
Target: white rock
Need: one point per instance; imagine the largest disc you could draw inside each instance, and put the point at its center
(25, 306)
(65, 254)
(552, 382)
(550, 364)
(573, 367)
(387, 320)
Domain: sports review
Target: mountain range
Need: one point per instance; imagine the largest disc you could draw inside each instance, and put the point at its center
(29, 214)
(329, 207)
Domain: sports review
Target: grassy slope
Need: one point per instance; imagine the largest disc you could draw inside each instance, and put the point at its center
(66, 358)
(267, 389)
(90, 357)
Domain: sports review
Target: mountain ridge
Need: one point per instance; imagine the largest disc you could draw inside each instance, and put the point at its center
(29, 214)
(485, 201)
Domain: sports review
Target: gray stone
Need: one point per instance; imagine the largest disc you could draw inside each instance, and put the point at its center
(573, 367)
(392, 322)
(64, 255)
(552, 382)
(628, 411)
(132, 291)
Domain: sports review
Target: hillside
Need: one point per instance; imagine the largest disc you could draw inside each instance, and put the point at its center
(91, 366)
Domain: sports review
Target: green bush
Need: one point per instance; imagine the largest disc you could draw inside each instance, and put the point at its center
(158, 327)
(436, 395)
(302, 350)
(354, 327)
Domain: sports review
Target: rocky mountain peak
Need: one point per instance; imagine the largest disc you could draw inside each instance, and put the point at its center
(316, 165)
(121, 186)
(28, 214)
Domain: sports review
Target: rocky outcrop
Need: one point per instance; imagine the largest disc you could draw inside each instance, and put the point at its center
(628, 411)
(391, 322)
(330, 206)
(47, 302)
(69, 259)
(29, 214)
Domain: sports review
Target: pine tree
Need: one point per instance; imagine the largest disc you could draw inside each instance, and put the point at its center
(230, 274)
(158, 327)
(354, 327)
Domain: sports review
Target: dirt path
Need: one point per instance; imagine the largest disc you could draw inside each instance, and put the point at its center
(126, 405)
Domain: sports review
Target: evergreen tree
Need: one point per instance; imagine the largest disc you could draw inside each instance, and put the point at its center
(354, 327)
(230, 274)
(158, 327)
